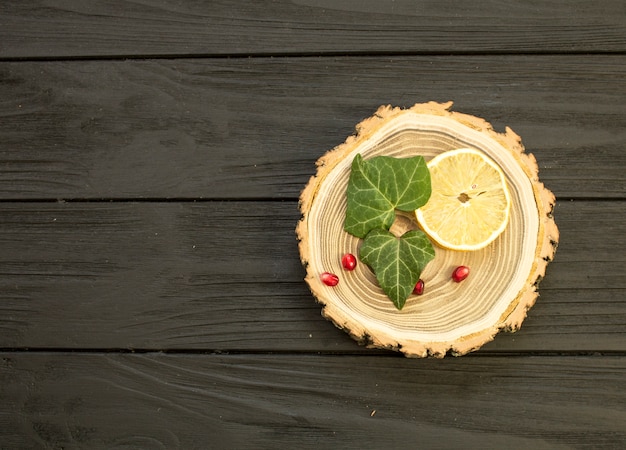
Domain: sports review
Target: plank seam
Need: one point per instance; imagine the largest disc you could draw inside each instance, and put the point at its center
(364, 353)
(229, 200)
(289, 55)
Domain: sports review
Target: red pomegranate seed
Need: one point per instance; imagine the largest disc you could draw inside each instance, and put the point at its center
(419, 287)
(348, 261)
(329, 279)
(460, 273)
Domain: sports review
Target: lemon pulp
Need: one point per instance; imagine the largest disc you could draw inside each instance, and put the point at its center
(470, 202)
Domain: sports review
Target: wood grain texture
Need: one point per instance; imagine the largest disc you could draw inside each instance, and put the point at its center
(242, 129)
(156, 401)
(66, 28)
(503, 285)
(113, 315)
(227, 277)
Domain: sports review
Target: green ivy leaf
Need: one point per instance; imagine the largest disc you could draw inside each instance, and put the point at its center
(379, 186)
(397, 262)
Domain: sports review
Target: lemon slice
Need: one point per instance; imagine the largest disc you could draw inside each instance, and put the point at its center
(470, 202)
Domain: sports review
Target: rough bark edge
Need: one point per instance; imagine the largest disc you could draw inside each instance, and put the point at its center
(547, 236)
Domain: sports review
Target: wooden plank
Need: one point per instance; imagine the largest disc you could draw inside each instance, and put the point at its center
(227, 277)
(254, 128)
(156, 27)
(62, 400)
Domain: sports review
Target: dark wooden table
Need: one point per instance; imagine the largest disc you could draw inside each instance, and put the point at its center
(151, 156)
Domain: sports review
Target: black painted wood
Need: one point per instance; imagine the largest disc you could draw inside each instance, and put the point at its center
(227, 276)
(112, 314)
(243, 129)
(302, 401)
(123, 28)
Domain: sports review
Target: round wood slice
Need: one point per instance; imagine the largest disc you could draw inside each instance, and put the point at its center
(449, 318)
